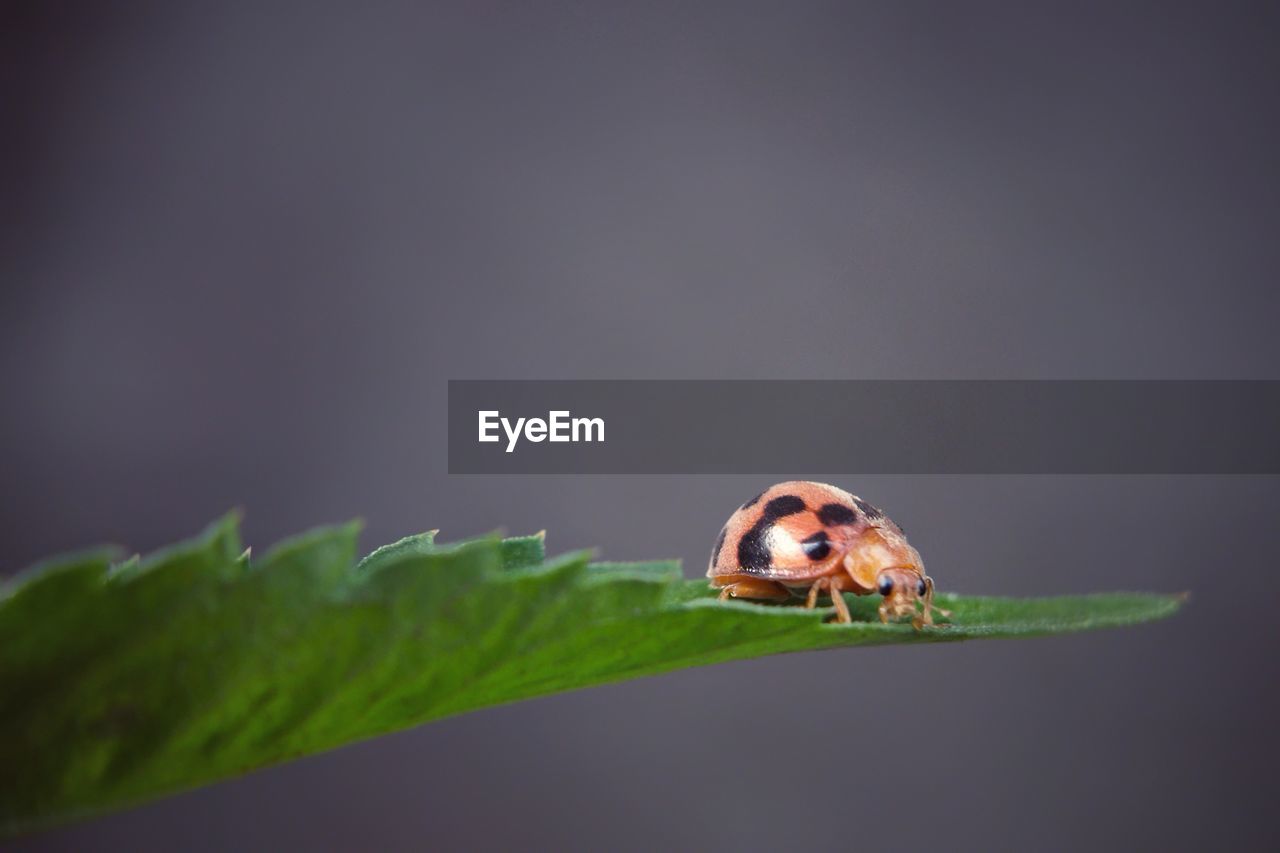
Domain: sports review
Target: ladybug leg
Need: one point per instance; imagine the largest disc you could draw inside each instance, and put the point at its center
(829, 585)
(754, 588)
(926, 617)
(818, 586)
(842, 607)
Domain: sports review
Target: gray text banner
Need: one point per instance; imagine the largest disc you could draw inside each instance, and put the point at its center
(865, 427)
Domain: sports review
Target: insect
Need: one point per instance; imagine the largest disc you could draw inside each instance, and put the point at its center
(806, 539)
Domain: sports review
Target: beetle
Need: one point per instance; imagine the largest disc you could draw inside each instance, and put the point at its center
(805, 539)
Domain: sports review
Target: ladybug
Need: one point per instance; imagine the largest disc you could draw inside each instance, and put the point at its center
(799, 537)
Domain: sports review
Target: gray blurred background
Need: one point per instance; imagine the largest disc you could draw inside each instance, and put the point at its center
(244, 245)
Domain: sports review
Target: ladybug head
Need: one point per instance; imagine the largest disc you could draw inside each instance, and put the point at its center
(902, 588)
(881, 560)
(876, 553)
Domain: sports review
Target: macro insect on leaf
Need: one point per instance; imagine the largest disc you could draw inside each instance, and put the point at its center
(804, 539)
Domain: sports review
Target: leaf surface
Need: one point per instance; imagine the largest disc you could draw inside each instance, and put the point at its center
(123, 681)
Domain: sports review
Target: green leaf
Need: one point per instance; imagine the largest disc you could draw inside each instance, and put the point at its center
(123, 681)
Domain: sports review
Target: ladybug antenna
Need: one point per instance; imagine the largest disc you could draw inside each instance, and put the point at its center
(928, 599)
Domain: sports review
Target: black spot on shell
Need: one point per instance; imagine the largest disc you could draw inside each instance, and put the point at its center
(834, 515)
(753, 554)
(816, 547)
(715, 553)
(783, 505)
(868, 509)
(752, 502)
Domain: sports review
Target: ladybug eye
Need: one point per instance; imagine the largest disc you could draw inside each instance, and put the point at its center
(886, 586)
(920, 587)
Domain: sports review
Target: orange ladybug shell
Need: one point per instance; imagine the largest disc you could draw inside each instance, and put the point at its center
(793, 533)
